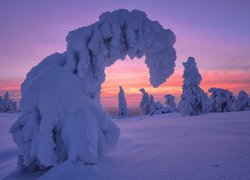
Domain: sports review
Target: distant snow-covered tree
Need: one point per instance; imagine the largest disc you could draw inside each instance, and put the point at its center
(170, 102)
(194, 100)
(159, 109)
(7, 105)
(242, 102)
(152, 103)
(145, 102)
(221, 100)
(123, 110)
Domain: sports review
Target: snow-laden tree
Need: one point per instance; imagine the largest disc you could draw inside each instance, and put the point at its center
(221, 100)
(62, 118)
(151, 103)
(170, 102)
(8, 105)
(158, 109)
(123, 110)
(145, 102)
(193, 99)
(242, 102)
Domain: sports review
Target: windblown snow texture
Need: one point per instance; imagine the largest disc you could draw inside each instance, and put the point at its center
(123, 110)
(193, 99)
(62, 118)
(221, 100)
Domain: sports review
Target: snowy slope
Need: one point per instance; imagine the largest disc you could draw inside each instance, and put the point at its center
(169, 146)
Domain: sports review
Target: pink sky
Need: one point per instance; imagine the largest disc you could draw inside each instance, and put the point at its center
(216, 33)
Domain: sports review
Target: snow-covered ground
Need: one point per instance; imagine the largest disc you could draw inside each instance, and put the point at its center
(168, 146)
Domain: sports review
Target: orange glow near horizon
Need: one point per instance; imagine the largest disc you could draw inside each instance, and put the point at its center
(133, 75)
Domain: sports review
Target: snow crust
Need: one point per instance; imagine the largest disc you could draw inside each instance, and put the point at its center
(166, 146)
(194, 100)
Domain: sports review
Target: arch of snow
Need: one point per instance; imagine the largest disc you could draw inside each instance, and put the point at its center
(62, 118)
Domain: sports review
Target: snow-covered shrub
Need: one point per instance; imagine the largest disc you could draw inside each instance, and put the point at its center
(158, 109)
(242, 102)
(193, 99)
(123, 110)
(145, 102)
(170, 102)
(62, 118)
(8, 105)
(221, 100)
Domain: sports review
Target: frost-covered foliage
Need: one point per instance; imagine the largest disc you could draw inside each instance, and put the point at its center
(221, 100)
(193, 99)
(7, 105)
(170, 102)
(243, 102)
(118, 34)
(158, 108)
(123, 110)
(145, 102)
(62, 118)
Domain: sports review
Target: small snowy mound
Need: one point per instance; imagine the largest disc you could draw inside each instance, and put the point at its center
(62, 118)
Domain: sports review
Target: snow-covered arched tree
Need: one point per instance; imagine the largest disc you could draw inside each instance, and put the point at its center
(145, 102)
(221, 100)
(170, 102)
(62, 118)
(193, 99)
(123, 110)
(242, 102)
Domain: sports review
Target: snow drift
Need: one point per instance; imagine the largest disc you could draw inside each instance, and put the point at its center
(62, 118)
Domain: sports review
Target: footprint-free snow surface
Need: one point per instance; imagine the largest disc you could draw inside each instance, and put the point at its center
(168, 146)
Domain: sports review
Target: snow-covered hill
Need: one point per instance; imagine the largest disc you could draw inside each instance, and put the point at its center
(169, 146)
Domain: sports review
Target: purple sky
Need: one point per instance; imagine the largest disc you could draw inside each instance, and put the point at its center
(216, 33)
